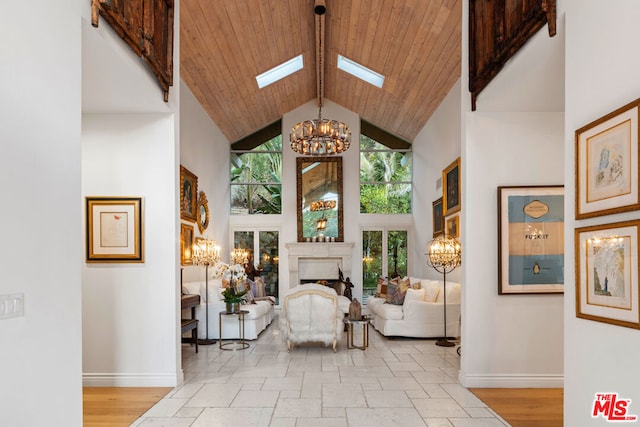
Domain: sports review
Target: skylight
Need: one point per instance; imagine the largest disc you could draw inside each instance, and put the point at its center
(279, 72)
(360, 71)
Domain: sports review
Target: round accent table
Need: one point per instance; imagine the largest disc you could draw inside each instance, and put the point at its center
(241, 344)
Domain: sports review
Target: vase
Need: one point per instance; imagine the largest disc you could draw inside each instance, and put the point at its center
(233, 307)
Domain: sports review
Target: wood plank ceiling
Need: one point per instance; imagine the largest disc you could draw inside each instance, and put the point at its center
(415, 44)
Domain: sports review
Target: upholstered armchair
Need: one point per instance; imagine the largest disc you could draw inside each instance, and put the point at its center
(311, 315)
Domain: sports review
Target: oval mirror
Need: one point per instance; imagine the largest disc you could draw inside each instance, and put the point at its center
(319, 188)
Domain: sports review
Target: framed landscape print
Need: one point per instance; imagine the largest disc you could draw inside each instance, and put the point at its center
(530, 240)
(607, 273)
(186, 244)
(438, 218)
(451, 188)
(188, 194)
(607, 164)
(114, 229)
(453, 226)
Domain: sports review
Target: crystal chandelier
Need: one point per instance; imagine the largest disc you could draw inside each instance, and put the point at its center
(320, 137)
(322, 205)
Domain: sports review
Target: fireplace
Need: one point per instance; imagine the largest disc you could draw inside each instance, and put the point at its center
(318, 261)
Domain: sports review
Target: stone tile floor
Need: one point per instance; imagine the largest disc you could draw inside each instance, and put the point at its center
(395, 382)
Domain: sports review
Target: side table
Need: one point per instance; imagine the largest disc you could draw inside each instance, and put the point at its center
(364, 322)
(233, 345)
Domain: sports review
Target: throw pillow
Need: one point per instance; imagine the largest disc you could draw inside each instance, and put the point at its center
(401, 290)
(391, 290)
(415, 283)
(381, 290)
(432, 291)
(260, 286)
(248, 298)
(414, 295)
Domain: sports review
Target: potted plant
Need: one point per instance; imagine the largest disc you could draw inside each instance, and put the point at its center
(232, 297)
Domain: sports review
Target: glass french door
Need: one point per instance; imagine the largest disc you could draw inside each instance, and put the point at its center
(263, 245)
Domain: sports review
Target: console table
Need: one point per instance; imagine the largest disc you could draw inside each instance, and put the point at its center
(191, 324)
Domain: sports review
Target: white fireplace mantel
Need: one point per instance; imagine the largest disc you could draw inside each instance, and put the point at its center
(305, 259)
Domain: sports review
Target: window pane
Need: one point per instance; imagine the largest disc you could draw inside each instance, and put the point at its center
(256, 167)
(385, 166)
(243, 240)
(397, 253)
(268, 262)
(256, 199)
(385, 198)
(371, 262)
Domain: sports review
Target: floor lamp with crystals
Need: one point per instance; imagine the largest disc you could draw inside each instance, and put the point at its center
(206, 253)
(444, 255)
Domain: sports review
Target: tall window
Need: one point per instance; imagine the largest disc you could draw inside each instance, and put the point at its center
(385, 178)
(263, 245)
(384, 254)
(256, 176)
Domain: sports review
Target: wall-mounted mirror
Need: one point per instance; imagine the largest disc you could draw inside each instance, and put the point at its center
(319, 184)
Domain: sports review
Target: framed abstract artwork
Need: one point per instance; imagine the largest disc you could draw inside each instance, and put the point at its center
(114, 229)
(188, 195)
(438, 218)
(530, 240)
(186, 244)
(607, 273)
(451, 196)
(607, 164)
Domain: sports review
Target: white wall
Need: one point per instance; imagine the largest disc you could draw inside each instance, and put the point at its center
(602, 62)
(514, 138)
(40, 367)
(205, 151)
(129, 321)
(130, 143)
(508, 340)
(435, 147)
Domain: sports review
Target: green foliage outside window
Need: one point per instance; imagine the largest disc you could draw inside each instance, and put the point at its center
(385, 178)
(256, 179)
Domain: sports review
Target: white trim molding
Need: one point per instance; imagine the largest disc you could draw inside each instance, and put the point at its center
(511, 380)
(129, 380)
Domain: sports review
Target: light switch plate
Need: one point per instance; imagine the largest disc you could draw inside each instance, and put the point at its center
(11, 306)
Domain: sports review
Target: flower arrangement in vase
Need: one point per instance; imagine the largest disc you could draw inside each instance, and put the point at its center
(235, 274)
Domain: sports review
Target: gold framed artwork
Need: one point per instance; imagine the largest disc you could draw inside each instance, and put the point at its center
(188, 194)
(114, 229)
(186, 244)
(607, 273)
(451, 196)
(530, 239)
(202, 212)
(453, 226)
(607, 164)
(438, 218)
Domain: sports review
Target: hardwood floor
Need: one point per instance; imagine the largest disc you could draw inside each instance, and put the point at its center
(118, 406)
(520, 407)
(525, 407)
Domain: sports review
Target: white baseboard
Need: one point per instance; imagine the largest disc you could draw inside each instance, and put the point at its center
(510, 380)
(129, 380)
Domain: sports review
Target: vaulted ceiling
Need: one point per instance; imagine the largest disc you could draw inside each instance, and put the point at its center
(415, 44)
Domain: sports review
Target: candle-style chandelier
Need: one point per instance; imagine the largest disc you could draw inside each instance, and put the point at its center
(320, 137)
(322, 205)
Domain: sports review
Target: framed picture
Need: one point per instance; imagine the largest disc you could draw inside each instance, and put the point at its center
(114, 229)
(607, 164)
(188, 194)
(530, 240)
(438, 218)
(451, 188)
(453, 226)
(607, 273)
(186, 244)
(203, 212)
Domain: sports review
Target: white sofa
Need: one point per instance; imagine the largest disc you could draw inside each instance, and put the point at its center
(311, 314)
(260, 314)
(422, 313)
